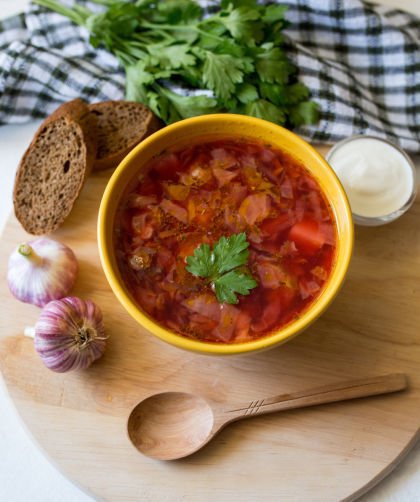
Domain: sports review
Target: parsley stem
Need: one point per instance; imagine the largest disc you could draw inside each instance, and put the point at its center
(154, 26)
(210, 35)
(82, 10)
(104, 2)
(137, 53)
(170, 27)
(136, 43)
(154, 33)
(212, 19)
(62, 9)
(125, 59)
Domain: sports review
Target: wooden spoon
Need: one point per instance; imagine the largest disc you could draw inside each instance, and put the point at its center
(172, 425)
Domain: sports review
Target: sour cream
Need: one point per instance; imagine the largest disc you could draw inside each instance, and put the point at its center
(377, 178)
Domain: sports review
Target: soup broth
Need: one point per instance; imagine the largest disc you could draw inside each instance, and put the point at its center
(198, 193)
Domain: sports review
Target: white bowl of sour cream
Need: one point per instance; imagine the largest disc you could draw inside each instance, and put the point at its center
(379, 178)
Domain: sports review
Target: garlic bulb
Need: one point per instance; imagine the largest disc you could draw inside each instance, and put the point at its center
(41, 271)
(69, 334)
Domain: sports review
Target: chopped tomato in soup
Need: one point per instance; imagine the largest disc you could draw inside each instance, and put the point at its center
(197, 194)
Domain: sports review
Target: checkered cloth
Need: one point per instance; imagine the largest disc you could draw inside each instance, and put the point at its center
(360, 61)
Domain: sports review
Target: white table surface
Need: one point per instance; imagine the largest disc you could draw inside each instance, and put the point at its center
(25, 473)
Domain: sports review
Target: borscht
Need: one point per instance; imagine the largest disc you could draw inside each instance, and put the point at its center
(187, 202)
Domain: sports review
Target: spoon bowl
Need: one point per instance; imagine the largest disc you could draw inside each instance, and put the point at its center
(172, 425)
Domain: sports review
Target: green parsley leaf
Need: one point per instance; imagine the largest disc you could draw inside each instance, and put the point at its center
(163, 108)
(272, 33)
(98, 24)
(236, 281)
(230, 103)
(139, 75)
(225, 256)
(243, 26)
(231, 253)
(248, 65)
(141, 4)
(211, 34)
(202, 263)
(137, 93)
(189, 106)
(238, 3)
(230, 47)
(221, 72)
(305, 112)
(178, 11)
(275, 93)
(185, 36)
(120, 19)
(191, 74)
(137, 79)
(174, 56)
(213, 27)
(263, 109)
(224, 293)
(246, 92)
(173, 114)
(94, 41)
(273, 66)
(158, 105)
(199, 53)
(296, 92)
(274, 13)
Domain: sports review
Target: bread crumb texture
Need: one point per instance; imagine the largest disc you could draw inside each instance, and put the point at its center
(50, 177)
(120, 124)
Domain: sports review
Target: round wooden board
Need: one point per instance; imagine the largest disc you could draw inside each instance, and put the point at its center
(333, 452)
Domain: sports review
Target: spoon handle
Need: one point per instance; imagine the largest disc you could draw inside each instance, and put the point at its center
(317, 395)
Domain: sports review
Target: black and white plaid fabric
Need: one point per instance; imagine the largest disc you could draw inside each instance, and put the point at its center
(360, 61)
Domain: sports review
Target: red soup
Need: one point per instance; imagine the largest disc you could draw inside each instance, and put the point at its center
(199, 193)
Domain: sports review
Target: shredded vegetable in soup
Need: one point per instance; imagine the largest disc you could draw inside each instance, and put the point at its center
(225, 241)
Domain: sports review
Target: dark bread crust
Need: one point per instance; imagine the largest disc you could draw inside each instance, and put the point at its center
(44, 191)
(122, 125)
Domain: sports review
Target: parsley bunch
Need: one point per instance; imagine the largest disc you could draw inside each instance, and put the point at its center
(235, 53)
(213, 264)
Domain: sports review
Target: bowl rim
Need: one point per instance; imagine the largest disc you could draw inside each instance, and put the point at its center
(105, 221)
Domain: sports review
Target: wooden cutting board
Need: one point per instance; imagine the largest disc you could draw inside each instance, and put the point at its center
(333, 452)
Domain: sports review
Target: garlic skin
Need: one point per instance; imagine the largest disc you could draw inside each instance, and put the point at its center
(41, 271)
(69, 334)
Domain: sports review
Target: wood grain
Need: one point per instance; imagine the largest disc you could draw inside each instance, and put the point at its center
(338, 391)
(173, 425)
(329, 453)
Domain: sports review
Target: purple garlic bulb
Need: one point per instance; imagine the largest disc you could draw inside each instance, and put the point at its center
(41, 271)
(69, 334)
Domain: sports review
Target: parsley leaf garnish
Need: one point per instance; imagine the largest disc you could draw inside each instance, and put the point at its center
(226, 256)
(233, 281)
(234, 57)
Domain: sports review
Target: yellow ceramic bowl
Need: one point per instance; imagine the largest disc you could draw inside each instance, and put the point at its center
(225, 125)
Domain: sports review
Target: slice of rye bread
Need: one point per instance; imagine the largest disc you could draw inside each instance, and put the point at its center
(122, 125)
(54, 168)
